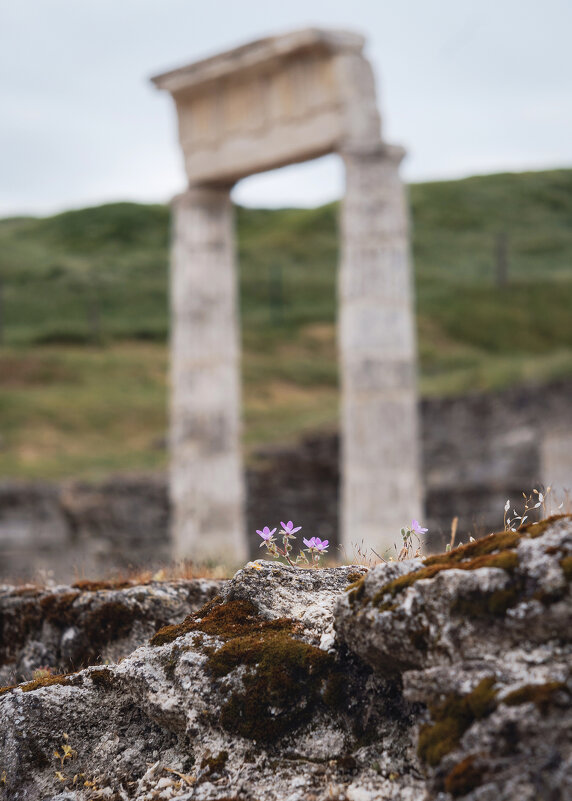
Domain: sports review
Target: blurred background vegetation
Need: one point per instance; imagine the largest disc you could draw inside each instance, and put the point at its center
(84, 317)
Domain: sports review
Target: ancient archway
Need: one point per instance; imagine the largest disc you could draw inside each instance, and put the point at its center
(274, 102)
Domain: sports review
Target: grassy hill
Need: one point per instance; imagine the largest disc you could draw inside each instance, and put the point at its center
(84, 320)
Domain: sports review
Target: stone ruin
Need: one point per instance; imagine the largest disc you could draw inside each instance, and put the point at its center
(271, 103)
(443, 679)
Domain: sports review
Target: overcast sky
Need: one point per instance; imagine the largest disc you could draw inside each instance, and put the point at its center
(468, 86)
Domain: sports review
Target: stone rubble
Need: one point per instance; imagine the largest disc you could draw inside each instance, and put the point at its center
(67, 628)
(424, 680)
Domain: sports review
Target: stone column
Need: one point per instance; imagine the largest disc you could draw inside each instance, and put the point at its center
(381, 488)
(207, 490)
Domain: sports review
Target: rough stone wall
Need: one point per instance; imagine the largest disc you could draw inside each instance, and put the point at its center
(75, 528)
(481, 449)
(478, 451)
(66, 628)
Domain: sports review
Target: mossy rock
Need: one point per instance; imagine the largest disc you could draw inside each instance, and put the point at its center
(496, 550)
(287, 679)
(506, 560)
(64, 679)
(452, 718)
(356, 589)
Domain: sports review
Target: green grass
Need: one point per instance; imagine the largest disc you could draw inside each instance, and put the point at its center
(84, 317)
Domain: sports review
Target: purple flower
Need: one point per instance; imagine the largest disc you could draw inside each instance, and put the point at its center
(319, 545)
(289, 527)
(416, 527)
(266, 534)
(310, 543)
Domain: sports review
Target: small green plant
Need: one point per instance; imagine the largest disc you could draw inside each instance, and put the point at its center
(42, 673)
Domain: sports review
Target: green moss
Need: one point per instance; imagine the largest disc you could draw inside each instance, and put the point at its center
(487, 545)
(507, 560)
(57, 607)
(335, 690)
(494, 604)
(356, 590)
(283, 689)
(102, 677)
(464, 777)
(354, 576)
(452, 718)
(496, 550)
(101, 623)
(111, 584)
(387, 606)
(286, 681)
(543, 695)
(104, 623)
(566, 565)
(170, 633)
(65, 679)
(534, 530)
(224, 620)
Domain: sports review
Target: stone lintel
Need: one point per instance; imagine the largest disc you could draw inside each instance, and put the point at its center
(257, 55)
(275, 102)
